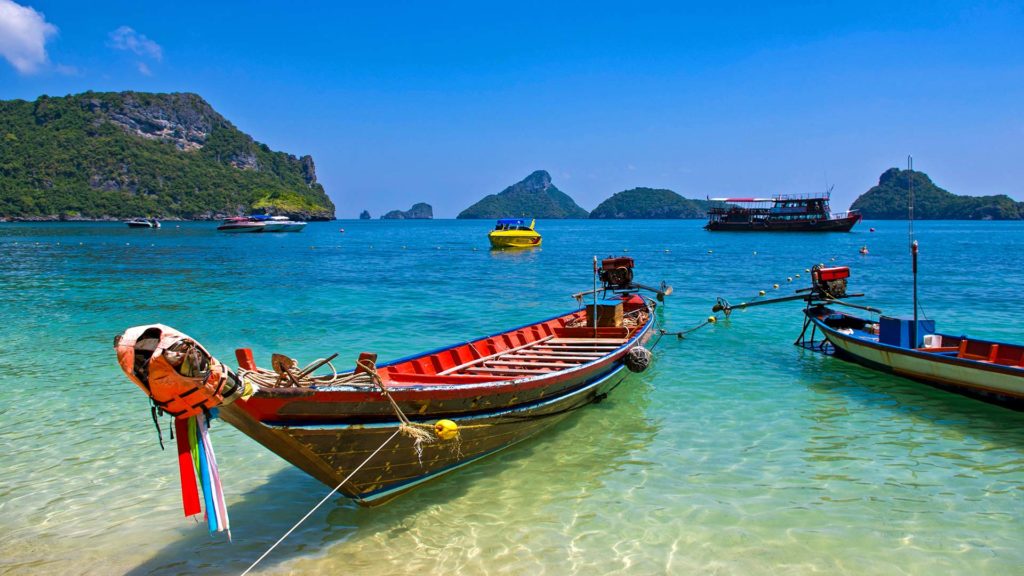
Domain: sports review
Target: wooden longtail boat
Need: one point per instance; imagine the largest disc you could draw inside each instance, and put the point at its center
(468, 400)
(906, 346)
(992, 370)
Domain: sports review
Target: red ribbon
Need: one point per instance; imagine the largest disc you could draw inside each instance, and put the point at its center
(189, 491)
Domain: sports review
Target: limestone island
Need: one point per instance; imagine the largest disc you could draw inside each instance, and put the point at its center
(889, 201)
(419, 211)
(649, 203)
(118, 155)
(533, 197)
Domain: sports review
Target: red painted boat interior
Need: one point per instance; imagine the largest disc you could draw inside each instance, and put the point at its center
(428, 368)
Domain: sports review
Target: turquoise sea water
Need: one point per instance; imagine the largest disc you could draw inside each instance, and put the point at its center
(737, 453)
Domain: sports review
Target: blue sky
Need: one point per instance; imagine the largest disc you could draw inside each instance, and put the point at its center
(446, 102)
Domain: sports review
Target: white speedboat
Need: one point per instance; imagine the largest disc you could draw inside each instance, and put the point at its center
(143, 223)
(283, 224)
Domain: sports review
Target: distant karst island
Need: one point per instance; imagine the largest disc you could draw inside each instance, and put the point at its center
(114, 155)
(533, 197)
(536, 197)
(889, 200)
(649, 203)
(419, 211)
(365, 215)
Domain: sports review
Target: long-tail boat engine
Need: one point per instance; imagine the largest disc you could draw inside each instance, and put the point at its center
(616, 273)
(829, 282)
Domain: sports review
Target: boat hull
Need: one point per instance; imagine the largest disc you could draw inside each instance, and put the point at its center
(829, 225)
(330, 453)
(972, 377)
(240, 228)
(518, 240)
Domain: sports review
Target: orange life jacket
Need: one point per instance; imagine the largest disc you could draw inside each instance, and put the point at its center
(180, 376)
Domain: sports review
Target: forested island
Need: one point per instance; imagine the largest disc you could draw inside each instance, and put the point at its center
(533, 197)
(889, 200)
(119, 155)
(649, 203)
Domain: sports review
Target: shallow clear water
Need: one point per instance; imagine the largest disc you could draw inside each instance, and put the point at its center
(737, 453)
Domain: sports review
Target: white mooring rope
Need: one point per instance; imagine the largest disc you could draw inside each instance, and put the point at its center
(310, 513)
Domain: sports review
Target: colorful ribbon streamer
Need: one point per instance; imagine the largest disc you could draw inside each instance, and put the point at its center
(196, 458)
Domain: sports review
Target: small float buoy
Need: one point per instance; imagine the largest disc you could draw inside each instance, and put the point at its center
(808, 270)
(710, 251)
(637, 359)
(797, 276)
(755, 252)
(474, 248)
(446, 429)
(871, 229)
(625, 249)
(789, 279)
(403, 247)
(775, 286)
(666, 250)
(833, 258)
(712, 319)
(761, 293)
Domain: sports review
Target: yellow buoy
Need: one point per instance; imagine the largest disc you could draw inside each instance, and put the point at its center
(775, 286)
(712, 319)
(446, 429)
(761, 293)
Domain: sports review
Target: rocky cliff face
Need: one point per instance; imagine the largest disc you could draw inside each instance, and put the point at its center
(419, 211)
(533, 197)
(183, 119)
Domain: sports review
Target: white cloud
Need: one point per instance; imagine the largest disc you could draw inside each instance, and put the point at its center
(143, 69)
(23, 36)
(126, 38)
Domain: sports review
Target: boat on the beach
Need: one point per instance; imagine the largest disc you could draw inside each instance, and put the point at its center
(780, 213)
(143, 223)
(381, 429)
(514, 233)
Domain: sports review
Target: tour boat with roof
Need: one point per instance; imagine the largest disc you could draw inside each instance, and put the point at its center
(781, 213)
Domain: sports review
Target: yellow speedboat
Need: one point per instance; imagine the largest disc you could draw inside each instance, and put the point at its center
(514, 233)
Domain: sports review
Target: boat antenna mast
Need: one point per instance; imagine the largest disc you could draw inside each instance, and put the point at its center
(913, 243)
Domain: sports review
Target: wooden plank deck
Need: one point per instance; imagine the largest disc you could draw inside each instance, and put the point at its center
(542, 356)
